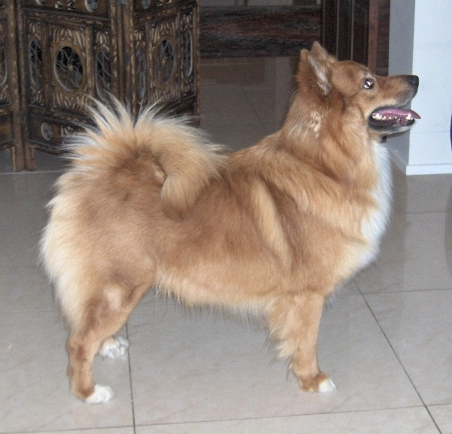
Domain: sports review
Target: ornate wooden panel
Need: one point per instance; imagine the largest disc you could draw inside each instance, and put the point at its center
(66, 57)
(10, 115)
(142, 51)
(162, 42)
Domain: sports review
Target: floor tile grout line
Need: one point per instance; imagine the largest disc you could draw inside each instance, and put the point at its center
(400, 362)
(132, 402)
(285, 416)
(28, 311)
(433, 419)
(69, 430)
(405, 291)
(416, 213)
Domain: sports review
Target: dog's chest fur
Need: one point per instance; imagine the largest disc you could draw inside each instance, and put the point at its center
(374, 227)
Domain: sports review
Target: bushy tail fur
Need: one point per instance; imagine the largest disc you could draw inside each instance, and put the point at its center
(188, 161)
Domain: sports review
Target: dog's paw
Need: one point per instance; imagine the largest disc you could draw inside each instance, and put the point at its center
(327, 386)
(114, 348)
(101, 394)
(321, 383)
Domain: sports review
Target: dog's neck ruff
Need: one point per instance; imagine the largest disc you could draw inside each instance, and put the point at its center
(374, 227)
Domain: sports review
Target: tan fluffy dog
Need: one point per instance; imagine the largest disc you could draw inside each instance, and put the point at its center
(274, 228)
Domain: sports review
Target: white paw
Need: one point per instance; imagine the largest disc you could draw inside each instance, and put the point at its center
(327, 386)
(101, 394)
(114, 348)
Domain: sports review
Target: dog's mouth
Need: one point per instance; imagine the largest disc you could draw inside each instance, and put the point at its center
(392, 119)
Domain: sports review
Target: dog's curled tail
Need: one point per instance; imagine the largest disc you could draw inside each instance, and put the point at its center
(188, 161)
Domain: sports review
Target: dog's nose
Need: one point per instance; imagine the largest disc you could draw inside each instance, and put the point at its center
(413, 80)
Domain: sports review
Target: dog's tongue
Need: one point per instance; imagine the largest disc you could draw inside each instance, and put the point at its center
(399, 113)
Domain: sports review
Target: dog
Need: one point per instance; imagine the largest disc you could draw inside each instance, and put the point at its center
(274, 228)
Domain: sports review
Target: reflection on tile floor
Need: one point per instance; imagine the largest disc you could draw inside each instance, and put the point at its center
(385, 339)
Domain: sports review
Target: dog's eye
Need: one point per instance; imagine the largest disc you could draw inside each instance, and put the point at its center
(369, 83)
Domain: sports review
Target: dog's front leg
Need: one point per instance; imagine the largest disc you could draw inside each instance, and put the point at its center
(294, 321)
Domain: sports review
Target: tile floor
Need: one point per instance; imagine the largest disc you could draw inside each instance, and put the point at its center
(385, 339)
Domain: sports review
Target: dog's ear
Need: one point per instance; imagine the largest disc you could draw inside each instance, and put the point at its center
(320, 53)
(320, 62)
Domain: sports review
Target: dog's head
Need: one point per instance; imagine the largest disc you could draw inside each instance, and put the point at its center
(350, 88)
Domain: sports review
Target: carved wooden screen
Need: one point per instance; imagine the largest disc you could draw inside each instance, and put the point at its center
(141, 51)
(10, 116)
(68, 54)
(161, 38)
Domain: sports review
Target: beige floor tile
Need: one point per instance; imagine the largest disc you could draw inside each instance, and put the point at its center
(34, 390)
(116, 430)
(418, 325)
(234, 136)
(23, 285)
(200, 366)
(400, 421)
(226, 104)
(416, 254)
(442, 414)
(426, 193)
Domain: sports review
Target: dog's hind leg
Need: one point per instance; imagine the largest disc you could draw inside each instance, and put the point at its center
(101, 317)
(294, 321)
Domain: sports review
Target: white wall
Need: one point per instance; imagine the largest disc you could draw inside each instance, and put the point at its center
(421, 44)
